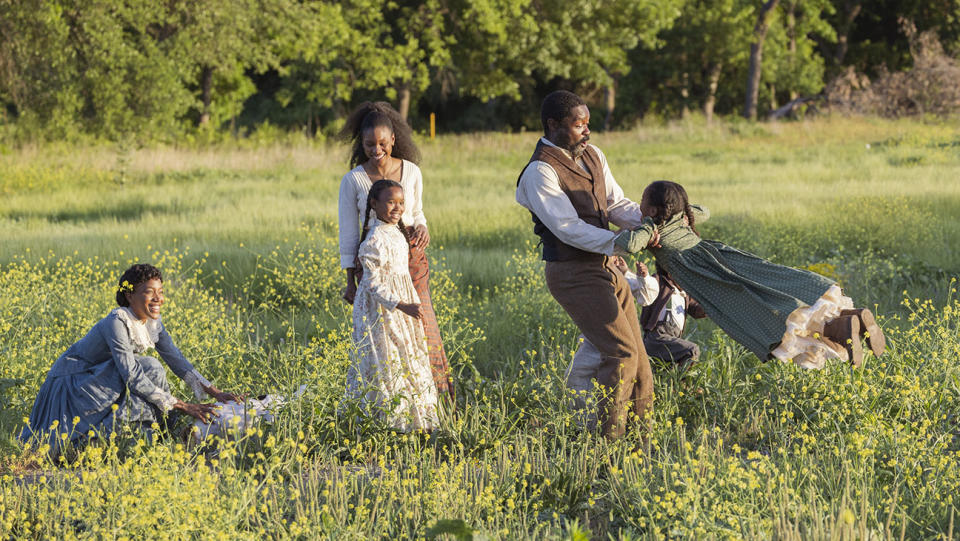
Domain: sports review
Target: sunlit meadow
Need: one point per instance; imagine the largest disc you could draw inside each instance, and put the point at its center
(245, 234)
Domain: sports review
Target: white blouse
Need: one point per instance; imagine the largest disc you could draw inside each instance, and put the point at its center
(353, 202)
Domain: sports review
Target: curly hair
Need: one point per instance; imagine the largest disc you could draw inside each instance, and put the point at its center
(668, 199)
(374, 195)
(134, 276)
(376, 114)
(558, 105)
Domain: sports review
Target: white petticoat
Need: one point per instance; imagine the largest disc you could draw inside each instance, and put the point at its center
(802, 342)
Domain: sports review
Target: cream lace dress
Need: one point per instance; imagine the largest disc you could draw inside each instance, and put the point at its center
(390, 373)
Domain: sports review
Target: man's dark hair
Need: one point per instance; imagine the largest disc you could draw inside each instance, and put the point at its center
(558, 105)
(134, 276)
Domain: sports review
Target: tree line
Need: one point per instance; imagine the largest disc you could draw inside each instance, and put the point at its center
(162, 68)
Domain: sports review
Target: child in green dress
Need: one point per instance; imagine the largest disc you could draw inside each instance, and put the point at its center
(774, 311)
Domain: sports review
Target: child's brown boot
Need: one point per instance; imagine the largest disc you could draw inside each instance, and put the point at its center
(869, 329)
(845, 330)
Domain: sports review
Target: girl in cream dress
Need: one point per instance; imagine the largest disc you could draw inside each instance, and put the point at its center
(390, 374)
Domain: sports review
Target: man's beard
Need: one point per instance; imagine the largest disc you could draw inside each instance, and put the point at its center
(577, 150)
(574, 148)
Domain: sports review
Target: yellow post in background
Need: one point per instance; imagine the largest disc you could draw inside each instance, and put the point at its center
(433, 125)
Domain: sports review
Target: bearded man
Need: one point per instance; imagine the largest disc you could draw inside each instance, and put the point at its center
(568, 188)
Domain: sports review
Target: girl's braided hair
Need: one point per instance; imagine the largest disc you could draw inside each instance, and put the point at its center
(134, 276)
(376, 189)
(669, 199)
(376, 114)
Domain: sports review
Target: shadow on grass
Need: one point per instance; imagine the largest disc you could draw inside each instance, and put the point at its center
(120, 211)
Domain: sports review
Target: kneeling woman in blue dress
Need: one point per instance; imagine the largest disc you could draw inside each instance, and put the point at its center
(104, 380)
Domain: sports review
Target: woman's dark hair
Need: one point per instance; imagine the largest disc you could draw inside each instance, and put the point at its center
(376, 189)
(134, 276)
(376, 114)
(558, 106)
(669, 199)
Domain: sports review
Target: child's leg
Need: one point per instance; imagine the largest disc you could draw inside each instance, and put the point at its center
(671, 349)
(869, 329)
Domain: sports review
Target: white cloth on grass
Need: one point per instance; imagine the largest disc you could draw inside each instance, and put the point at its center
(235, 418)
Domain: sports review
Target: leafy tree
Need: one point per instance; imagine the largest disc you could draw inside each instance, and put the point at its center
(383, 45)
(706, 42)
(588, 42)
(93, 65)
(793, 64)
(38, 71)
(221, 42)
(875, 36)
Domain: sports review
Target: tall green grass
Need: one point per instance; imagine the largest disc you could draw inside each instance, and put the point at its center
(738, 449)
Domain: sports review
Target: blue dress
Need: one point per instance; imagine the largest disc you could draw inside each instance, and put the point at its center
(104, 369)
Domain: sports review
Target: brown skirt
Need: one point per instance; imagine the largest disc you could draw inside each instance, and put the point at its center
(420, 272)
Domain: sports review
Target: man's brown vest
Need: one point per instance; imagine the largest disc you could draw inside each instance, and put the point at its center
(587, 192)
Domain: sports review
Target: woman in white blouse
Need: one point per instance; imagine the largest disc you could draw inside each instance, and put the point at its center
(382, 147)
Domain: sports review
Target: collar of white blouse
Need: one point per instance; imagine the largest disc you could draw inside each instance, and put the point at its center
(143, 335)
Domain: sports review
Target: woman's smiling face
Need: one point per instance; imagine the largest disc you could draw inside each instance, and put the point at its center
(378, 143)
(146, 299)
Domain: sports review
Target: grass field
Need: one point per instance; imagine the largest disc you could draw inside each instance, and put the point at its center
(246, 236)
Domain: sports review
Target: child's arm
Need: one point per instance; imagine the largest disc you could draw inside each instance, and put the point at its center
(633, 241)
(411, 309)
(643, 286)
(695, 309)
(648, 287)
(371, 258)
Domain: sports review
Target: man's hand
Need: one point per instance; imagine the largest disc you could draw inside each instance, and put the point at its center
(642, 269)
(224, 396)
(411, 309)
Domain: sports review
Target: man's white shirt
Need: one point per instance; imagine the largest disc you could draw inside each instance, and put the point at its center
(539, 191)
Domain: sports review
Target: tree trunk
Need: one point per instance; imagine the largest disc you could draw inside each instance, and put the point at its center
(791, 47)
(206, 89)
(713, 81)
(403, 97)
(756, 58)
(852, 9)
(773, 97)
(685, 95)
(610, 97)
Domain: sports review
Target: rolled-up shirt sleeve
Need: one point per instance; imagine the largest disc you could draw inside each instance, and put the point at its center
(539, 192)
(644, 289)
